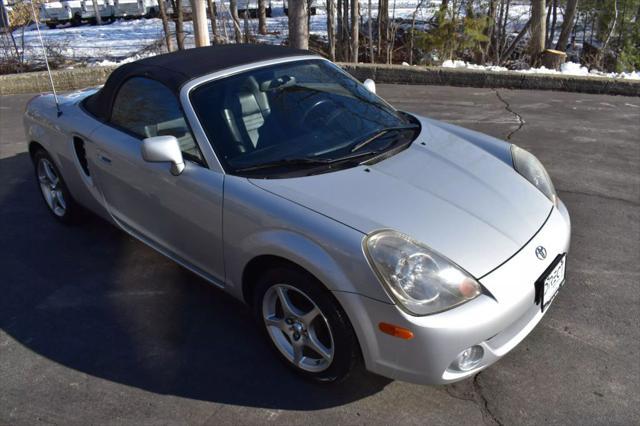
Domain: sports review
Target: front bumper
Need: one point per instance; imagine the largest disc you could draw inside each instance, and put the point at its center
(496, 323)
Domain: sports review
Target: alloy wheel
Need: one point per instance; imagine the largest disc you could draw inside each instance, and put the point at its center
(51, 188)
(298, 328)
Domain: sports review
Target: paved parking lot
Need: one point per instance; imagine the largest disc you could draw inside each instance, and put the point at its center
(95, 327)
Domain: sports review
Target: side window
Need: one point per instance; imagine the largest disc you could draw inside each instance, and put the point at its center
(147, 108)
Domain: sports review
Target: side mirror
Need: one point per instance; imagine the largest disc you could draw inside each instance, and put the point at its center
(370, 85)
(163, 149)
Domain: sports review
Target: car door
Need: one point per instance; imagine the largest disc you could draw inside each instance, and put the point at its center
(179, 215)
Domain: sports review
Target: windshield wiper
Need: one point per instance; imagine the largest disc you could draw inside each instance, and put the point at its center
(306, 161)
(302, 161)
(370, 137)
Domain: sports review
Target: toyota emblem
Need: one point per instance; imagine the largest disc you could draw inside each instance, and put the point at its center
(541, 252)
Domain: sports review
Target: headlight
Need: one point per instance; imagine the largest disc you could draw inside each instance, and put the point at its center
(532, 170)
(422, 281)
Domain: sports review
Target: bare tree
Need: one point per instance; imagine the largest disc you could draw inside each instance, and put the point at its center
(413, 28)
(355, 26)
(212, 17)
(339, 28)
(262, 17)
(554, 20)
(200, 30)
(330, 29)
(371, 56)
(298, 25)
(383, 27)
(165, 24)
(177, 7)
(97, 12)
(245, 18)
(538, 32)
(344, 41)
(490, 30)
(567, 25)
(603, 50)
(233, 9)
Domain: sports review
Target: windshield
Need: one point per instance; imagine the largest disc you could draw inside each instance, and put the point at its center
(297, 115)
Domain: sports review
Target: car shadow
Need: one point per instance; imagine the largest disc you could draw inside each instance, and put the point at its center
(95, 300)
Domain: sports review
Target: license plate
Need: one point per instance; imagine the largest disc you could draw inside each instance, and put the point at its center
(549, 284)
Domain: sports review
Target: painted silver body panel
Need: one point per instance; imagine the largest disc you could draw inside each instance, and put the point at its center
(447, 193)
(457, 193)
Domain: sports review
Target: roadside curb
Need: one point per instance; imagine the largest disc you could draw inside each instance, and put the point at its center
(489, 79)
(80, 78)
(64, 80)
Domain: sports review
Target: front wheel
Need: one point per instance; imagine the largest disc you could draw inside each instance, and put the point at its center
(305, 325)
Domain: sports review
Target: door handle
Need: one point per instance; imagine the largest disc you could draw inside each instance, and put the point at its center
(105, 158)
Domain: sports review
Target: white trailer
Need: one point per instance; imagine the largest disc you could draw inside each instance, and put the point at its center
(75, 12)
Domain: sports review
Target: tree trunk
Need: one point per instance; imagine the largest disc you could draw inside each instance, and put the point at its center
(489, 31)
(233, 10)
(371, 55)
(245, 19)
(554, 20)
(497, 35)
(346, 44)
(413, 27)
(567, 25)
(330, 29)
(212, 17)
(298, 25)
(165, 25)
(355, 26)
(200, 30)
(179, 24)
(97, 12)
(339, 29)
(515, 42)
(603, 50)
(383, 27)
(538, 32)
(548, 24)
(262, 17)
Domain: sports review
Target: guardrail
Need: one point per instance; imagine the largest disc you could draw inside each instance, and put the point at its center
(79, 78)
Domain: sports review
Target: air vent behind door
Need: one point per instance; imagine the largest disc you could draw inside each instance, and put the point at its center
(81, 154)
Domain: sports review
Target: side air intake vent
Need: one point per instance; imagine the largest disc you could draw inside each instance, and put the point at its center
(78, 145)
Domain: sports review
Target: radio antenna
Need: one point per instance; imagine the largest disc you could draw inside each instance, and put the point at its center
(46, 59)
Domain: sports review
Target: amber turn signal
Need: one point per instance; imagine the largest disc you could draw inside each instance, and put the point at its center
(395, 331)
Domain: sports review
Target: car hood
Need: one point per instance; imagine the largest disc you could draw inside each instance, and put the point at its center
(443, 191)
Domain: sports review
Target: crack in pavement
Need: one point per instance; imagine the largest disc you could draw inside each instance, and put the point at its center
(521, 121)
(478, 399)
(484, 401)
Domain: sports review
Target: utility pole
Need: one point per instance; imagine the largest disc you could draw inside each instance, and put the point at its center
(200, 27)
(97, 12)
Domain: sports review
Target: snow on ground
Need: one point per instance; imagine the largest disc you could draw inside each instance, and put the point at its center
(128, 40)
(568, 68)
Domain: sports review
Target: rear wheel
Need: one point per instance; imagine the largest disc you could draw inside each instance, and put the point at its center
(53, 189)
(305, 325)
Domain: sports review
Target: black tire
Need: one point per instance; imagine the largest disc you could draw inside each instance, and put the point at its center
(346, 351)
(52, 26)
(73, 212)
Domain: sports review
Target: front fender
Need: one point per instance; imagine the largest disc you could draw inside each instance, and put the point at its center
(259, 223)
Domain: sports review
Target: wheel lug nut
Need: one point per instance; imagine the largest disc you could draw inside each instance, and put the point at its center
(289, 321)
(296, 335)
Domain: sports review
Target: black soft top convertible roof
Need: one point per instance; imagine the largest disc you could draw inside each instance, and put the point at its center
(176, 68)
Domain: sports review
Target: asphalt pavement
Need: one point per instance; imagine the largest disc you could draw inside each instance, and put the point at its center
(97, 328)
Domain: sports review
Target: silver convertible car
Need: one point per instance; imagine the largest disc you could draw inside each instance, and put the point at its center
(357, 233)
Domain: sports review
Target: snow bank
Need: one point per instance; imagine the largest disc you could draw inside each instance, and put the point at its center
(568, 68)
